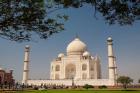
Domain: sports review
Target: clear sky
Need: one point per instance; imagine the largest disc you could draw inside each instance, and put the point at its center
(91, 31)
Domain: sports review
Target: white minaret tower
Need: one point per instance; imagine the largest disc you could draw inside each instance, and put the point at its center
(26, 65)
(116, 74)
(111, 64)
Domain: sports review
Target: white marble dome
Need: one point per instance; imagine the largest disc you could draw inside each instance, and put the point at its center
(76, 46)
(61, 55)
(86, 54)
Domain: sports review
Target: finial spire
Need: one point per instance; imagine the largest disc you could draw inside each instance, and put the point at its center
(76, 36)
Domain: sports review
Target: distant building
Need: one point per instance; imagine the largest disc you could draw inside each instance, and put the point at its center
(6, 77)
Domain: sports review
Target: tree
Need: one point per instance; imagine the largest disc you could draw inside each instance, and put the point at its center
(21, 20)
(139, 81)
(114, 11)
(124, 80)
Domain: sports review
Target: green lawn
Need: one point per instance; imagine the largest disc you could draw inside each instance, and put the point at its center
(79, 91)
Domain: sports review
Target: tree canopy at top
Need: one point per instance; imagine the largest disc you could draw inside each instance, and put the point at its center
(20, 20)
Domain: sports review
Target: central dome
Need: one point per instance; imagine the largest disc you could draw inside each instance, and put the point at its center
(76, 47)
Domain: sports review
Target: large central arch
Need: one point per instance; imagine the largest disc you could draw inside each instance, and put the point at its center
(70, 71)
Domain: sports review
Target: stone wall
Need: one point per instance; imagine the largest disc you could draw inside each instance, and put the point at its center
(94, 82)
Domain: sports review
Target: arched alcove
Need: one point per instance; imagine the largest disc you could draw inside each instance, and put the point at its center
(84, 76)
(57, 76)
(70, 71)
(84, 67)
(57, 68)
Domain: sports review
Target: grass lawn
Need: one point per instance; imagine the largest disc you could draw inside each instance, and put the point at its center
(79, 91)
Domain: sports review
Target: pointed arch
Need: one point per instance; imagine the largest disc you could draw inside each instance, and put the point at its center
(57, 76)
(84, 76)
(57, 68)
(84, 67)
(70, 71)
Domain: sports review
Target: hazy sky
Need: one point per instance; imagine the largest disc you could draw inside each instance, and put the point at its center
(91, 31)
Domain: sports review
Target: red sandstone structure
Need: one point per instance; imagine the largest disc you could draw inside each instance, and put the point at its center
(6, 78)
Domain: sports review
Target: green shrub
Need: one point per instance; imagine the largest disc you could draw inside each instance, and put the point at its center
(86, 86)
(103, 87)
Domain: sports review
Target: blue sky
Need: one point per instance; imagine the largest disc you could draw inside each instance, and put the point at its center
(91, 31)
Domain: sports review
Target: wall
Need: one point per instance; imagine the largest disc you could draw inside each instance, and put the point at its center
(94, 82)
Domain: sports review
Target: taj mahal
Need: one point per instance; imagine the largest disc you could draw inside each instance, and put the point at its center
(77, 66)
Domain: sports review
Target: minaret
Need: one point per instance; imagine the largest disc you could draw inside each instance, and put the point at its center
(26, 65)
(111, 64)
(116, 74)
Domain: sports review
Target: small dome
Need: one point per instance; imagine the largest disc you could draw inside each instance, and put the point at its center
(27, 46)
(86, 53)
(61, 55)
(109, 39)
(92, 57)
(76, 47)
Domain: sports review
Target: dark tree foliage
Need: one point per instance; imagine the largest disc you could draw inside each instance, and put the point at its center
(20, 20)
(124, 80)
(123, 12)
